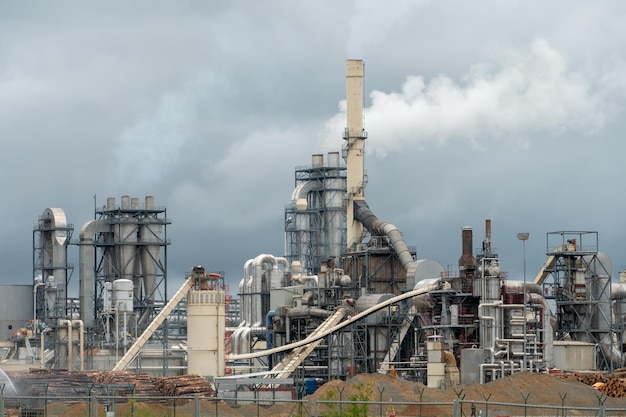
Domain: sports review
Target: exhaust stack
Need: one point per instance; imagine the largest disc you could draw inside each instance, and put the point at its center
(354, 148)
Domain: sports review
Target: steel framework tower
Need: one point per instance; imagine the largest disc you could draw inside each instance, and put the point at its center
(51, 270)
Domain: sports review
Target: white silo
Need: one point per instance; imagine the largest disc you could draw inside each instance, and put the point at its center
(206, 324)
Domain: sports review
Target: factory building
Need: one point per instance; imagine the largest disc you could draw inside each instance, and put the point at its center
(348, 296)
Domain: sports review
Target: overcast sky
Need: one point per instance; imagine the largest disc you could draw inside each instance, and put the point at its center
(505, 110)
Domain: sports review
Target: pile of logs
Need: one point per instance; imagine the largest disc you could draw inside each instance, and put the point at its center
(183, 385)
(611, 385)
(62, 383)
(52, 383)
(126, 383)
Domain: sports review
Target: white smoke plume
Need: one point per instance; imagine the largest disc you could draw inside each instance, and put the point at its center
(509, 98)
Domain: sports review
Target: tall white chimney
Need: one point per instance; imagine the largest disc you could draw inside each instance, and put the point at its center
(354, 148)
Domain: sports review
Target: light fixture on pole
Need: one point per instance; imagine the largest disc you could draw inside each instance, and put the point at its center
(524, 237)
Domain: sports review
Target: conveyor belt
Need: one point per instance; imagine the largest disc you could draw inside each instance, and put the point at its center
(158, 320)
(295, 358)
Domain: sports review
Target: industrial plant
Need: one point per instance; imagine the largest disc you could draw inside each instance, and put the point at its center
(347, 296)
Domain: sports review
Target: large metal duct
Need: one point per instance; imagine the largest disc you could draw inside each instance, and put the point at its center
(549, 323)
(137, 272)
(86, 256)
(244, 295)
(415, 270)
(261, 264)
(334, 211)
(599, 272)
(261, 274)
(150, 238)
(126, 238)
(111, 259)
(301, 219)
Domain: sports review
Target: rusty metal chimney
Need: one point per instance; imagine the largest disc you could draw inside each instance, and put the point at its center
(467, 262)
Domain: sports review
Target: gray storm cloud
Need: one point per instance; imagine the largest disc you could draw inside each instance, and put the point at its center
(372, 20)
(518, 93)
(148, 149)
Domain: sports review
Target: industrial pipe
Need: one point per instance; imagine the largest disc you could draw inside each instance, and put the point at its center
(369, 220)
(347, 322)
(42, 346)
(81, 342)
(68, 323)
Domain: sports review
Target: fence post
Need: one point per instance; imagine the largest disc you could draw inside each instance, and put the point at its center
(456, 408)
(93, 405)
(421, 393)
(380, 401)
(601, 411)
(216, 400)
(45, 401)
(2, 399)
(196, 403)
(526, 403)
(562, 404)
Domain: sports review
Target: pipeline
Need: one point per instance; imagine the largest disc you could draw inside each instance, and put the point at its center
(347, 322)
(369, 220)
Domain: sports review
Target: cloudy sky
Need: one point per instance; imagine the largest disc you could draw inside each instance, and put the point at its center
(505, 110)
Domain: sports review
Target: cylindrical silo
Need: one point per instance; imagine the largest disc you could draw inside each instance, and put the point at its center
(206, 325)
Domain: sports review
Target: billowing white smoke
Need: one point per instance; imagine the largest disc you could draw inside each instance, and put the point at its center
(519, 93)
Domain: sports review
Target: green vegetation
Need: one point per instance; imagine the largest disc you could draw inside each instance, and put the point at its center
(357, 406)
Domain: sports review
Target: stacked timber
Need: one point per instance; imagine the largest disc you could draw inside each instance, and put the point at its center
(72, 385)
(183, 385)
(610, 384)
(127, 383)
(51, 382)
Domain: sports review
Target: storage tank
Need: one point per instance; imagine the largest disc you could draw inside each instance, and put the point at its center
(122, 295)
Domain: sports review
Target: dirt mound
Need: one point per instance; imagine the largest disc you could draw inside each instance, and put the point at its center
(532, 388)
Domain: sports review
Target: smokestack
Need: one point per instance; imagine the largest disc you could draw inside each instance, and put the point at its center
(467, 263)
(487, 242)
(354, 147)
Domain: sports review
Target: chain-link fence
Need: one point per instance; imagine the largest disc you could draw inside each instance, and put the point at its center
(196, 406)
